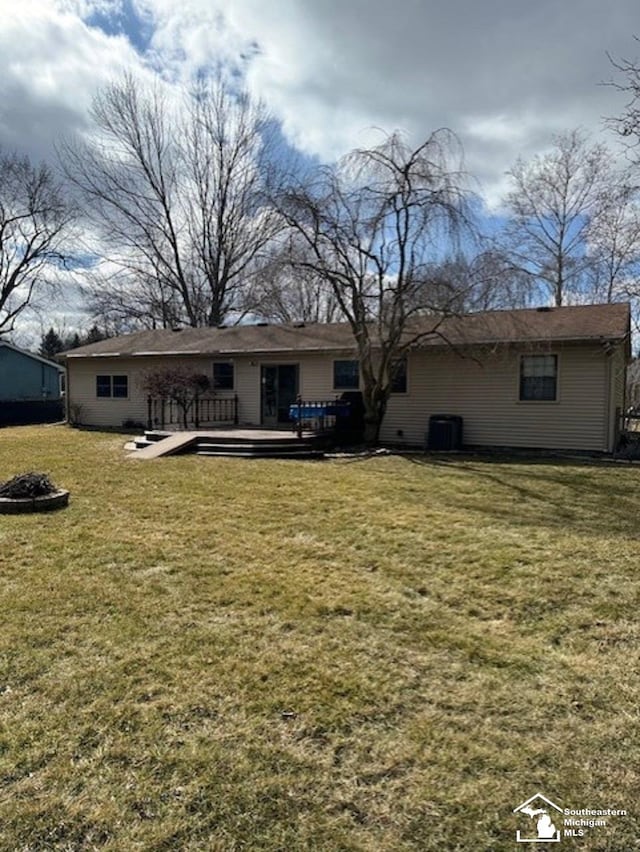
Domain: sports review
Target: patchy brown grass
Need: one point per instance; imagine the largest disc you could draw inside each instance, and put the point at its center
(388, 654)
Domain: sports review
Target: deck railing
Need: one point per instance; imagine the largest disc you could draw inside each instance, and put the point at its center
(629, 422)
(203, 411)
(318, 415)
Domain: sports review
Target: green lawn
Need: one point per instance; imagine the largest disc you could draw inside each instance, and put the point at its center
(384, 654)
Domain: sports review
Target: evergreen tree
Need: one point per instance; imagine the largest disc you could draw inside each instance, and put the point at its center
(51, 344)
(94, 335)
(72, 341)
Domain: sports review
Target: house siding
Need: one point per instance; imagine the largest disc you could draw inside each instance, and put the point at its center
(485, 393)
(113, 412)
(25, 378)
(483, 389)
(315, 382)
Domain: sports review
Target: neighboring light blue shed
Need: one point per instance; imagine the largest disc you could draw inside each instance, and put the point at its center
(25, 376)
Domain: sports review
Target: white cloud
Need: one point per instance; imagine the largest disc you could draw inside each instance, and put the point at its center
(51, 63)
(505, 75)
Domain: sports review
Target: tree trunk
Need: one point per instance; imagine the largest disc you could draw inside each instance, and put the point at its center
(371, 430)
(375, 407)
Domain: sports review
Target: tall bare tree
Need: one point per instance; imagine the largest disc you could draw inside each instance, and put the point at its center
(35, 227)
(485, 281)
(613, 245)
(619, 242)
(176, 191)
(553, 199)
(289, 292)
(495, 283)
(125, 301)
(370, 226)
(627, 124)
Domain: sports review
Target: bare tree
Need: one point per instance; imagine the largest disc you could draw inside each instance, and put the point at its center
(613, 245)
(552, 202)
(228, 150)
(617, 246)
(289, 292)
(178, 384)
(369, 227)
(127, 302)
(627, 125)
(35, 225)
(485, 281)
(176, 192)
(495, 284)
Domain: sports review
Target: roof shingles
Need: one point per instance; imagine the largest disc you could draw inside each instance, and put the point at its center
(583, 322)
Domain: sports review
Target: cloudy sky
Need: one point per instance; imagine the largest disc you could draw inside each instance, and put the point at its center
(505, 75)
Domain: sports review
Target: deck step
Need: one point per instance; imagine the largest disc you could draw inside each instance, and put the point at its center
(256, 445)
(141, 443)
(272, 442)
(245, 436)
(241, 443)
(261, 453)
(155, 435)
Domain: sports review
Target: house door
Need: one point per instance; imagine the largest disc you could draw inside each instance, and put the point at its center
(279, 390)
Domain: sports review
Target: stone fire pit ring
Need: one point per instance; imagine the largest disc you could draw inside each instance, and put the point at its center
(44, 503)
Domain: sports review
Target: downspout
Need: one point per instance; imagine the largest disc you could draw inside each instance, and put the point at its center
(67, 394)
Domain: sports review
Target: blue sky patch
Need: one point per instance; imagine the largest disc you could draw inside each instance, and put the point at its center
(126, 21)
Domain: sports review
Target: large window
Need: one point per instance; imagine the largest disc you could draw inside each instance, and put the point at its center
(399, 376)
(538, 378)
(223, 375)
(346, 375)
(112, 386)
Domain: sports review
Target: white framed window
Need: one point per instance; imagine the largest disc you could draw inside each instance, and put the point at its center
(113, 387)
(346, 375)
(399, 376)
(538, 378)
(223, 375)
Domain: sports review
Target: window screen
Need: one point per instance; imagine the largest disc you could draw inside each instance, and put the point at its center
(538, 377)
(346, 375)
(222, 375)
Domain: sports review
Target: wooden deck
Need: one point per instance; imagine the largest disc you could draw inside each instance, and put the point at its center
(244, 443)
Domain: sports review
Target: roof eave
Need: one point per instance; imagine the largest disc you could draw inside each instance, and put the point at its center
(212, 353)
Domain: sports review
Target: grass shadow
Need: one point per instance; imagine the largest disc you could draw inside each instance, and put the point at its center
(590, 496)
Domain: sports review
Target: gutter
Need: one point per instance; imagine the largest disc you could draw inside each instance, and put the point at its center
(423, 346)
(216, 353)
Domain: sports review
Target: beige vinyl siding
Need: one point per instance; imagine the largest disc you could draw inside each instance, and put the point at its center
(317, 375)
(485, 392)
(315, 382)
(486, 395)
(315, 379)
(109, 411)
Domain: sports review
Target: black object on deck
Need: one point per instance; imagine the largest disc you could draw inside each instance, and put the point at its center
(349, 427)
